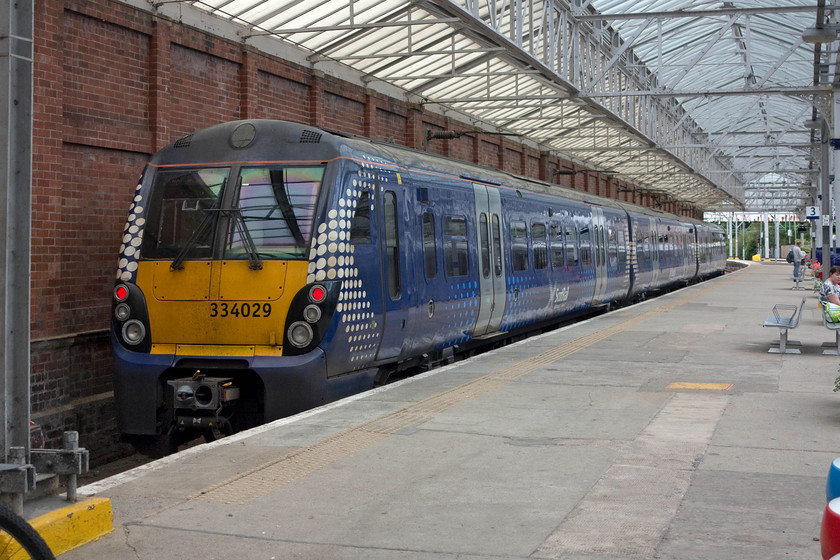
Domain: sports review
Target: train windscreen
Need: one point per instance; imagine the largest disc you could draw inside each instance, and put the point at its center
(275, 207)
(268, 214)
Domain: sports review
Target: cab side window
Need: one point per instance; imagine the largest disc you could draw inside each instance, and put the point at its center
(360, 229)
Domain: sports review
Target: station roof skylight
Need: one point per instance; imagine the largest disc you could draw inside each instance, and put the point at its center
(700, 100)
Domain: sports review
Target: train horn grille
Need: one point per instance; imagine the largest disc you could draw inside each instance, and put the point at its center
(310, 137)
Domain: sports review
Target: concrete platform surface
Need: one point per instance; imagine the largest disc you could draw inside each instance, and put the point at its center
(661, 430)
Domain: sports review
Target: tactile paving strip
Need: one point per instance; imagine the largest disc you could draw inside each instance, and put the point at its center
(265, 478)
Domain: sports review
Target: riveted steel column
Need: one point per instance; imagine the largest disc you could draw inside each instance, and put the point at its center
(835, 162)
(16, 32)
(825, 201)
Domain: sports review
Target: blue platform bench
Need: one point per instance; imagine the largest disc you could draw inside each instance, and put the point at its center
(836, 344)
(785, 317)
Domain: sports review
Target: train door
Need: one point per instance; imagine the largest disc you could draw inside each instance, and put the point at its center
(599, 248)
(654, 253)
(393, 316)
(491, 264)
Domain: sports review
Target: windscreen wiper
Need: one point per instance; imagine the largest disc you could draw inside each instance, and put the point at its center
(235, 214)
(254, 260)
(197, 234)
(278, 186)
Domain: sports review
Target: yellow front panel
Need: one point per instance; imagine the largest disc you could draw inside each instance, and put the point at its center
(238, 281)
(210, 350)
(243, 307)
(191, 283)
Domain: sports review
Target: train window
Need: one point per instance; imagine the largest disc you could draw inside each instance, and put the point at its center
(429, 245)
(570, 234)
(179, 207)
(556, 244)
(585, 246)
(519, 245)
(276, 207)
(360, 228)
(621, 247)
(497, 246)
(539, 245)
(392, 244)
(455, 246)
(455, 225)
(643, 247)
(484, 242)
(612, 247)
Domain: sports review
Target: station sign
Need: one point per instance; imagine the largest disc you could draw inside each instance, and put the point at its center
(812, 213)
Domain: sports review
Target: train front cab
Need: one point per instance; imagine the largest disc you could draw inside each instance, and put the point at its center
(218, 324)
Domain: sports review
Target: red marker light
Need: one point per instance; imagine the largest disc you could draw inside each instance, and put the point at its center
(121, 292)
(317, 294)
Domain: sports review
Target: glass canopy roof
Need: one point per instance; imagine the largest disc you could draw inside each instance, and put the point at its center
(700, 100)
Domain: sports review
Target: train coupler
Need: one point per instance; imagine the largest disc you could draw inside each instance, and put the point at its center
(203, 393)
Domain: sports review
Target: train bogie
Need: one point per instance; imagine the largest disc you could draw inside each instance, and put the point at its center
(270, 267)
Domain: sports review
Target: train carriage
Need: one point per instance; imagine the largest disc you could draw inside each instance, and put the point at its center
(269, 267)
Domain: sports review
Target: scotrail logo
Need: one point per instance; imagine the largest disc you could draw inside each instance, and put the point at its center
(561, 295)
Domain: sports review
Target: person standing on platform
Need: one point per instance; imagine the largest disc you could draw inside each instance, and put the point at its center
(798, 256)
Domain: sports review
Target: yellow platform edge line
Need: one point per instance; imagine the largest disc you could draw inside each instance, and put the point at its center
(77, 524)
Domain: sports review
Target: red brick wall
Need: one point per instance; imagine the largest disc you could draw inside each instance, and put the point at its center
(513, 161)
(112, 85)
(105, 93)
(532, 165)
(488, 154)
(88, 229)
(282, 98)
(344, 114)
(390, 127)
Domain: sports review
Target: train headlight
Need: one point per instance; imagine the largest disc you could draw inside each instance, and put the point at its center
(122, 311)
(300, 334)
(133, 332)
(312, 313)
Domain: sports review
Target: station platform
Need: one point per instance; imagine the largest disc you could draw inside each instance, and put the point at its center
(660, 430)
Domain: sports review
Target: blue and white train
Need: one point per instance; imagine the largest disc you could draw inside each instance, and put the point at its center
(269, 267)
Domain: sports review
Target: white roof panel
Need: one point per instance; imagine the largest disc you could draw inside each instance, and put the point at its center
(699, 100)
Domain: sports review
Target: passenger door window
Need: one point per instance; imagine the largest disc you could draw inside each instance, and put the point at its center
(497, 246)
(392, 245)
(484, 245)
